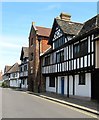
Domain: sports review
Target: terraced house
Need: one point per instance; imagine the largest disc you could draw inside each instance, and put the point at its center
(23, 74)
(11, 75)
(6, 75)
(14, 75)
(71, 66)
(38, 39)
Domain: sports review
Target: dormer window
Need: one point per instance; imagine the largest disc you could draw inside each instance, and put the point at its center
(60, 41)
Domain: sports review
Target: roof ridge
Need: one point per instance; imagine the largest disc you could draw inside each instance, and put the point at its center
(43, 27)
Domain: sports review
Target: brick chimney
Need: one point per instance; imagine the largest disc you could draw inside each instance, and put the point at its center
(65, 16)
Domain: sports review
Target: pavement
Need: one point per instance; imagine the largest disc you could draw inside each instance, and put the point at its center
(82, 103)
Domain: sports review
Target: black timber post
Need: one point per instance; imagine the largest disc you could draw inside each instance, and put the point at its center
(68, 86)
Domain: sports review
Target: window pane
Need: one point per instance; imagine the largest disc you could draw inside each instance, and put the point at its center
(82, 79)
(52, 82)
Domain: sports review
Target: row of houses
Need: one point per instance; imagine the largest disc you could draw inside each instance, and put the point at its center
(63, 60)
(17, 74)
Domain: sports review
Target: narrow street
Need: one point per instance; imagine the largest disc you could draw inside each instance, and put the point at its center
(18, 104)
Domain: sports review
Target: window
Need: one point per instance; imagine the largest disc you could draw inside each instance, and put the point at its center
(13, 75)
(20, 69)
(60, 56)
(47, 60)
(82, 79)
(31, 57)
(81, 49)
(25, 67)
(76, 50)
(60, 41)
(52, 81)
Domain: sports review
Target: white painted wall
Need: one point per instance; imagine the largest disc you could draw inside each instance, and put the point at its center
(83, 90)
(59, 85)
(65, 85)
(14, 83)
(50, 89)
(70, 85)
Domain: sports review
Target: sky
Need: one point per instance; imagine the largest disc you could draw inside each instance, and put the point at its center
(17, 17)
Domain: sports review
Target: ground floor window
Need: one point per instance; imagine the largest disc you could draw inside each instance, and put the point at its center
(82, 79)
(52, 81)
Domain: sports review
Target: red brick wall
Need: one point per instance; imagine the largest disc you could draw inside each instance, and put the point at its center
(34, 78)
(44, 45)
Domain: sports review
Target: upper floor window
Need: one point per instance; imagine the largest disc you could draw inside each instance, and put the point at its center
(76, 50)
(21, 69)
(84, 48)
(14, 74)
(60, 56)
(25, 67)
(81, 49)
(60, 41)
(47, 60)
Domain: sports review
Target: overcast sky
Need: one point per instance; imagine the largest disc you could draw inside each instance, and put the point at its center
(18, 16)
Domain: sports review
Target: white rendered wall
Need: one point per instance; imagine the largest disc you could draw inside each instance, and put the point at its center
(70, 85)
(50, 89)
(14, 83)
(65, 85)
(83, 90)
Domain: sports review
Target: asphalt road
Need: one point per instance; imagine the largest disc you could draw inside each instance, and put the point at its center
(18, 104)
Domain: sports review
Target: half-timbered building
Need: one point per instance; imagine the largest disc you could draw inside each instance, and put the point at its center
(14, 76)
(71, 66)
(23, 74)
(6, 75)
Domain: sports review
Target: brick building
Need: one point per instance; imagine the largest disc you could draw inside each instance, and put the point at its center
(38, 39)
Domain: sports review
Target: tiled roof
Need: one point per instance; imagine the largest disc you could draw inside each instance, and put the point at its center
(47, 51)
(6, 68)
(14, 68)
(42, 31)
(89, 25)
(69, 27)
(25, 50)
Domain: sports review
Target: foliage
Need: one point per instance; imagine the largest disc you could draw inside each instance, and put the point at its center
(4, 85)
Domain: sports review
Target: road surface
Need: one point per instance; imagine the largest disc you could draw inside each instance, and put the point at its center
(18, 104)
